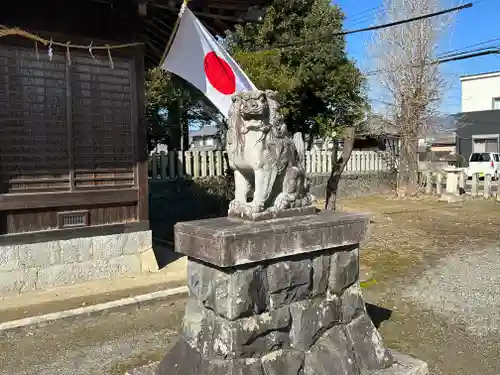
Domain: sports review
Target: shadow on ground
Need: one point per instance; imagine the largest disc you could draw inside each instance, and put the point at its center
(378, 314)
(172, 201)
(164, 253)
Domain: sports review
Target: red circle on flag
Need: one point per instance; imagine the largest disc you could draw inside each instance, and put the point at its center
(219, 74)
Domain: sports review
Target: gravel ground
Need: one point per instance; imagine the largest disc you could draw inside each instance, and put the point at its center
(464, 288)
(437, 270)
(448, 316)
(448, 348)
(108, 344)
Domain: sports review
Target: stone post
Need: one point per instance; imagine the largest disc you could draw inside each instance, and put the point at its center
(278, 297)
(462, 181)
(452, 183)
(487, 186)
(428, 182)
(475, 185)
(439, 183)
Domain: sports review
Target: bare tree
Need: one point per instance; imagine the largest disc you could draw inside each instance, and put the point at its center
(338, 167)
(350, 142)
(412, 84)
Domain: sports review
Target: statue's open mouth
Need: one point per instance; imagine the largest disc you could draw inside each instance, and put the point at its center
(251, 125)
(252, 114)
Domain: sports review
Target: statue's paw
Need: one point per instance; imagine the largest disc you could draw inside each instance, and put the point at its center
(303, 201)
(255, 208)
(240, 209)
(233, 204)
(282, 202)
(309, 199)
(236, 207)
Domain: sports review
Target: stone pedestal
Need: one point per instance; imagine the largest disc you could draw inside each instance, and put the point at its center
(276, 297)
(452, 183)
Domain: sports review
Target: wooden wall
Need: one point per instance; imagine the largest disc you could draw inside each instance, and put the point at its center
(66, 128)
(72, 136)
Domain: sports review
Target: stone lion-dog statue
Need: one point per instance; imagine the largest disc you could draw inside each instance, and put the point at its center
(264, 157)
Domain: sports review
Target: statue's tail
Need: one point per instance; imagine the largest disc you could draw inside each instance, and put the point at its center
(300, 146)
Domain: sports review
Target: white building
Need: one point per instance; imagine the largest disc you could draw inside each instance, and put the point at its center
(205, 139)
(478, 127)
(480, 92)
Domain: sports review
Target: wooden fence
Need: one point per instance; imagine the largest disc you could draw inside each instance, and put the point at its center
(195, 164)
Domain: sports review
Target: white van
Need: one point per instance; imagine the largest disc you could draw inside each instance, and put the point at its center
(484, 163)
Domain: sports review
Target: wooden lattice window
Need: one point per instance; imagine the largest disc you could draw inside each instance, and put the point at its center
(33, 127)
(65, 126)
(102, 123)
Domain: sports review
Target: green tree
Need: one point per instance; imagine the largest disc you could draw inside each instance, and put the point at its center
(172, 104)
(322, 91)
(316, 79)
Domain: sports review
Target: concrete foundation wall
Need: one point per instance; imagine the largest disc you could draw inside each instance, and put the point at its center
(46, 264)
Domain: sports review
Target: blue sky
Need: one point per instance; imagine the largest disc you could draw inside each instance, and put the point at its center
(473, 25)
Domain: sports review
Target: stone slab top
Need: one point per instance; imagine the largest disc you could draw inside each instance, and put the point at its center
(229, 242)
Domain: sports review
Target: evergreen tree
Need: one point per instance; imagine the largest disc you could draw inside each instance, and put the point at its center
(321, 88)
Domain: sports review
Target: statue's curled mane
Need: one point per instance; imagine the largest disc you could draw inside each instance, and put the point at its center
(277, 160)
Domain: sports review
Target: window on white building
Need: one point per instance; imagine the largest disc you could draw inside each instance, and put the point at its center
(482, 145)
(496, 103)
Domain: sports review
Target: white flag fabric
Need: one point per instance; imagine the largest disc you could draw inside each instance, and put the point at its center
(197, 57)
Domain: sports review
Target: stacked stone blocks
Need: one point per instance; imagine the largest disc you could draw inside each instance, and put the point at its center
(41, 265)
(302, 314)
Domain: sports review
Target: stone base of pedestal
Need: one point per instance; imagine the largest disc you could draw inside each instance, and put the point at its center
(452, 198)
(403, 365)
(276, 297)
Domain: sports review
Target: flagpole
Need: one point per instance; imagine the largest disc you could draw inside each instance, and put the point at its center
(174, 31)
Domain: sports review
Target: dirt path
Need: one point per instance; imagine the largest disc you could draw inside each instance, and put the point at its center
(67, 297)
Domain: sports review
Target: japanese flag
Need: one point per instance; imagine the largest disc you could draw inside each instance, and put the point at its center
(197, 57)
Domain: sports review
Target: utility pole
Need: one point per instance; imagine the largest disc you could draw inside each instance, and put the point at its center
(181, 122)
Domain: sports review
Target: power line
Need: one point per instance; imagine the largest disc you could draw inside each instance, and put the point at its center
(450, 58)
(451, 55)
(469, 46)
(396, 23)
(380, 9)
(367, 17)
(469, 56)
(366, 11)
(371, 28)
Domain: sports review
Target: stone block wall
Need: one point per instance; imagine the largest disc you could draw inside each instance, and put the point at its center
(46, 264)
(298, 315)
(183, 200)
(355, 185)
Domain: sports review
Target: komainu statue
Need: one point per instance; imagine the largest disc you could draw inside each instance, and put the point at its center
(264, 157)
